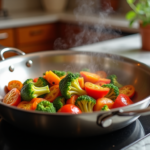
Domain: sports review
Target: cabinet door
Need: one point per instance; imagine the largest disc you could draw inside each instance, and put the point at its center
(35, 34)
(7, 37)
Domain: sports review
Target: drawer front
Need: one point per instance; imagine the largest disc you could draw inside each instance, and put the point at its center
(7, 37)
(33, 34)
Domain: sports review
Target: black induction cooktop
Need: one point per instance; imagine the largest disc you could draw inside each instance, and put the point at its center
(12, 138)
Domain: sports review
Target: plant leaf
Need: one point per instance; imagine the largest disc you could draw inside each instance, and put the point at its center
(130, 1)
(130, 15)
(131, 23)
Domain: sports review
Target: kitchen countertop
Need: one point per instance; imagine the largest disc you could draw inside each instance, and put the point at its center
(116, 21)
(128, 46)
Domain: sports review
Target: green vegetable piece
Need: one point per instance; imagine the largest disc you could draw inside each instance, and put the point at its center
(28, 81)
(40, 82)
(114, 81)
(70, 86)
(76, 73)
(105, 108)
(85, 103)
(46, 106)
(59, 102)
(59, 73)
(29, 91)
(113, 92)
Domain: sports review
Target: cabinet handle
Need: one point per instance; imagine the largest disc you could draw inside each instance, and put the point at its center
(36, 32)
(3, 36)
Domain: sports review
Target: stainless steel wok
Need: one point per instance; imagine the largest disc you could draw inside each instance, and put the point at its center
(33, 65)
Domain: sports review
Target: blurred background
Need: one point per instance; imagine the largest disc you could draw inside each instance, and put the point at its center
(39, 25)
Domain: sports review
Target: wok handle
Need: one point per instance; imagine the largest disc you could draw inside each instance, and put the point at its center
(105, 120)
(9, 49)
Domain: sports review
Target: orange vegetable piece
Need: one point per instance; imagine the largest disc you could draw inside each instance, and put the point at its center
(54, 92)
(103, 81)
(15, 84)
(35, 102)
(62, 77)
(101, 102)
(128, 90)
(72, 99)
(35, 79)
(52, 78)
(89, 77)
(26, 105)
(81, 82)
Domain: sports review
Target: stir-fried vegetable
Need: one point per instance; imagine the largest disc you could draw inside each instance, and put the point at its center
(67, 92)
(85, 103)
(29, 91)
(70, 86)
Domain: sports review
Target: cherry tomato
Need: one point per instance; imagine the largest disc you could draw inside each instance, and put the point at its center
(54, 92)
(95, 91)
(100, 83)
(102, 74)
(70, 108)
(89, 77)
(101, 102)
(26, 105)
(72, 99)
(122, 100)
(35, 102)
(128, 90)
(15, 84)
(35, 79)
(13, 97)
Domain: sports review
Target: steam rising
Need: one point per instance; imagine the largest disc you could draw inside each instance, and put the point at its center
(88, 34)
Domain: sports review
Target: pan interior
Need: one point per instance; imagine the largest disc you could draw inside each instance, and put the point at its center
(127, 71)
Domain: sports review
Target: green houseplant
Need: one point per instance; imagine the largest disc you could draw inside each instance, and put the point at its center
(141, 12)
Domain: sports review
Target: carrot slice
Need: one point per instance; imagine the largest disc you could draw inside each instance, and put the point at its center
(63, 77)
(89, 77)
(72, 99)
(15, 84)
(54, 92)
(35, 102)
(52, 78)
(81, 82)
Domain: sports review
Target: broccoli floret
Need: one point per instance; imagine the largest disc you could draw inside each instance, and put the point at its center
(59, 73)
(114, 81)
(29, 91)
(76, 73)
(113, 92)
(85, 103)
(86, 69)
(28, 81)
(40, 82)
(105, 108)
(70, 86)
(59, 102)
(46, 106)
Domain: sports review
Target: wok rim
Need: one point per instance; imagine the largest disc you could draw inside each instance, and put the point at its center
(68, 52)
